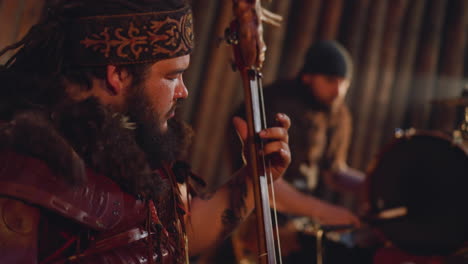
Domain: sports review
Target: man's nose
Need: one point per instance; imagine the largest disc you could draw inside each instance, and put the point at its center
(335, 89)
(181, 92)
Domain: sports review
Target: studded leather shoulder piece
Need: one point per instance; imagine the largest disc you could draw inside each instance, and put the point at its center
(18, 231)
(99, 203)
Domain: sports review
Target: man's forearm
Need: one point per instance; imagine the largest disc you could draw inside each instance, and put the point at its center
(214, 218)
(291, 201)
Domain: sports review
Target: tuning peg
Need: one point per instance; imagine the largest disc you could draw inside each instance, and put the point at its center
(231, 37)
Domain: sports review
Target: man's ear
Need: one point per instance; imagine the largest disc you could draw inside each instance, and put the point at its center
(117, 79)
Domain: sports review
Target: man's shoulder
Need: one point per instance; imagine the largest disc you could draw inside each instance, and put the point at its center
(280, 88)
(98, 203)
(342, 112)
(283, 93)
(281, 96)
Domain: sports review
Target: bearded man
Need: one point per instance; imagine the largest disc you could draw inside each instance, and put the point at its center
(89, 143)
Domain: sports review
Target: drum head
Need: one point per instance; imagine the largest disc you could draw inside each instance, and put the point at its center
(427, 175)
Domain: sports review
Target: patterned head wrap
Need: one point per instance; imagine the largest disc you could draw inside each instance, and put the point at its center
(132, 38)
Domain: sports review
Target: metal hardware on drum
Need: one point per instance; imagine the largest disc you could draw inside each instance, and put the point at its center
(319, 237)
(306, 226)
(401, 133)
(463, 127)
(393, 213)
(459, 136)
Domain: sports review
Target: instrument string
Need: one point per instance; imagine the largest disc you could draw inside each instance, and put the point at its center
(270, 175)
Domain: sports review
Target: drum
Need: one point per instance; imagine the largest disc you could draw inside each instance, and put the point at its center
(417, 193)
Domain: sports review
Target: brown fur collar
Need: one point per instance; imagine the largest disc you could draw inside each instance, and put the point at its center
(82, 134)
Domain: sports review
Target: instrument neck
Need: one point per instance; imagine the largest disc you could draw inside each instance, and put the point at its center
(256, 122)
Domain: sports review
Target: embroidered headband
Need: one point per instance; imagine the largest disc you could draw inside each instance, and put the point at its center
(132, 38)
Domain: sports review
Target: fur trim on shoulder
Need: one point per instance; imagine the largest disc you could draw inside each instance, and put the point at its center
(31, 133)
(84, 134)
(106, 142)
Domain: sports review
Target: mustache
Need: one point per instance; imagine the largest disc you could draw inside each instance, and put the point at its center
(178, 103)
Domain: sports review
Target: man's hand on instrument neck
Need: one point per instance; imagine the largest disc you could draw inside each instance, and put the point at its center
(276, 148)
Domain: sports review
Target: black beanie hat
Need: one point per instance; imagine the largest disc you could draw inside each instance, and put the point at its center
(329, 58)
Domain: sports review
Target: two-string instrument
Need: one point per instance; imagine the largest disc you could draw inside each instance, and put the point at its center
(245, 35)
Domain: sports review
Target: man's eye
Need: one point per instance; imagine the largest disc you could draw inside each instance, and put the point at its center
(173, 77)
(332, 79)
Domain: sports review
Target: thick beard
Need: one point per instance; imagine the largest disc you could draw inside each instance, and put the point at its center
(160, 146)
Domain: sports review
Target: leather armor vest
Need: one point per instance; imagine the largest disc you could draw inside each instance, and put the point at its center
(114, 220)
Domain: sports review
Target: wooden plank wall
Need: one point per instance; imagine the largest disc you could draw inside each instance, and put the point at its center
(399, 100)
(298, 38)
(451, 76)
(274, 37)
(425, 73)
(367, 71)
(16, 17)
(353, 33)
(386, 78)
(407, 53)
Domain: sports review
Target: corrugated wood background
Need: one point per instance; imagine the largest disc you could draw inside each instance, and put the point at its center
(406, 53)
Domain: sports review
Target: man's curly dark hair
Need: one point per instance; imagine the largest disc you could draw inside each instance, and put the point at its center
(34, 75)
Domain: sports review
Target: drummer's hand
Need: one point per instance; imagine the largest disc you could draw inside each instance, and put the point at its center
(276, 147)
(329, 214)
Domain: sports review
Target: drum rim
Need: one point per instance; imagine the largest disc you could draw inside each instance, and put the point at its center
(369, 211)
(406, 135)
